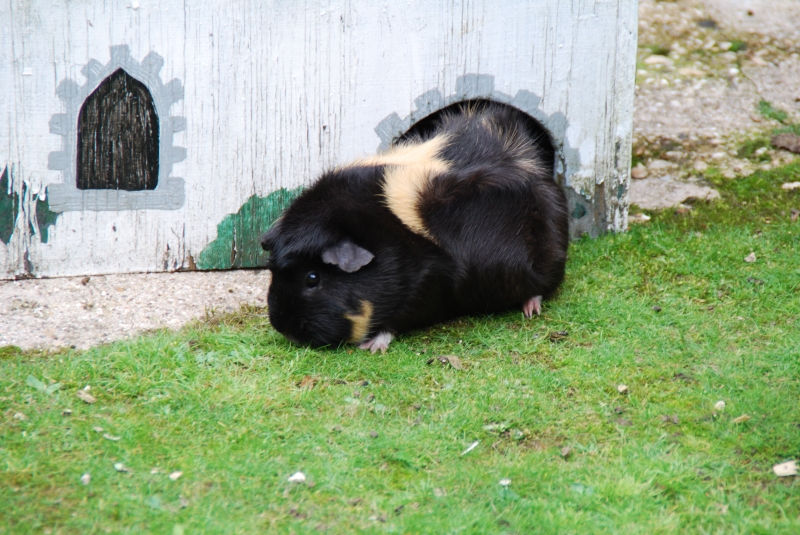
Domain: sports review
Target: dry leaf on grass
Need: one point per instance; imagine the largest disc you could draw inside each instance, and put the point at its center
(558, 336)
(19, 416)
(174, 476)
(86, 478)
(452, 360)
(112, 438)
(788, 186)
(86, 397)
(741, 419)
(787, 141)
(795, 214)
(750, 258)
(566, 451)
(622, 389)
(788, 468)
(308, 382)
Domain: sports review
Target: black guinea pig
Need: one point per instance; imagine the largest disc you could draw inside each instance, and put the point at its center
(464, 218)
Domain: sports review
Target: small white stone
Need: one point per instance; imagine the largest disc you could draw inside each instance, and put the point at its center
(656, 165)
(719, 406)
(119, 467)
(505, 482)
(174, 476)
(655, 59)
(297, 477)
(86, 478)
(638, 172)
(622, 389)
(700, 165)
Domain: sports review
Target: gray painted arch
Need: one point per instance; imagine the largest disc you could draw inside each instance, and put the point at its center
(169, 193)
(481, 86)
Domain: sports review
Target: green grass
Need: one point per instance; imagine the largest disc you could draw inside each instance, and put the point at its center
(738, 45)
(768, 111)
(238, 410)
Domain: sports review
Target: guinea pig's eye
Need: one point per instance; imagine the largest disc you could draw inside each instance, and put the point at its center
(312, 279)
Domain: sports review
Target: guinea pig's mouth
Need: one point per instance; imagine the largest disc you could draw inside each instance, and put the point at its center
(306, 339)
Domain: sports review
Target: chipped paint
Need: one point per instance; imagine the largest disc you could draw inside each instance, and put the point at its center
(237, 244)
(9, 208)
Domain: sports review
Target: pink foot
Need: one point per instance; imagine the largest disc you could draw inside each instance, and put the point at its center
(380, 342)
(534, 304)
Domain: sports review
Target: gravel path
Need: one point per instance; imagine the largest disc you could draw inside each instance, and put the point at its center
(704, 67)
(85, 311)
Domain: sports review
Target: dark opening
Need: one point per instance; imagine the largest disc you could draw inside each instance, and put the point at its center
(118, 136)
(427, 125)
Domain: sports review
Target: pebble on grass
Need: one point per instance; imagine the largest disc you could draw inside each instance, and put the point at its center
(119, 467)
(719, 406)
(174, 476)
(297, 477)
(86, 478)
(622, 389)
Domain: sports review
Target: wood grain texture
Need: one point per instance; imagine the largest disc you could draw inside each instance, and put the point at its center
(118, 136)
(275, 92)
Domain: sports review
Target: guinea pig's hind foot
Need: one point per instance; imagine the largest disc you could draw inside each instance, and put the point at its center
(380, 342)
(534, 304)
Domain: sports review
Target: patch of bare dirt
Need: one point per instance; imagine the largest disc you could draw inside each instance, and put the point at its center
(705, 71)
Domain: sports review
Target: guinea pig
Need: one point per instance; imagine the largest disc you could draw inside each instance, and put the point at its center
(465, 218)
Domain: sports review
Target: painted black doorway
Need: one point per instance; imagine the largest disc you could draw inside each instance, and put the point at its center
(118, 136)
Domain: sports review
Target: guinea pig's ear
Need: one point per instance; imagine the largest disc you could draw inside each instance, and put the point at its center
(348, 256)
(269, 237)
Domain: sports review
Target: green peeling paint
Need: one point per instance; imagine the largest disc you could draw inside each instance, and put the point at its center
(579, 211)
(45, 218)
(9, 208)
(237, 244)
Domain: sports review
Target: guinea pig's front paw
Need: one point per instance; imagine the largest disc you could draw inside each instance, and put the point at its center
(380, 342)
(534, 304)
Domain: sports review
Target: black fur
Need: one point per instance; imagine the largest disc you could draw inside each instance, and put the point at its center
(499, 233)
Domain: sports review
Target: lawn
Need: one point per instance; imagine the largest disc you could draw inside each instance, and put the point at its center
(669, 309)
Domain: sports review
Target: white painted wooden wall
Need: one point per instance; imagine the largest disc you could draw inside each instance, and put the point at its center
(275, 92)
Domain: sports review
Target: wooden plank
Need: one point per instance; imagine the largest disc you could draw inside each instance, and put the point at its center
(256, 99)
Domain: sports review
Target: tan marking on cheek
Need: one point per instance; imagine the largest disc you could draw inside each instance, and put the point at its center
(360, 322)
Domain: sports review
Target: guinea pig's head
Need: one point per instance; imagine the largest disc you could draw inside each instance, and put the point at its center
(319, 284)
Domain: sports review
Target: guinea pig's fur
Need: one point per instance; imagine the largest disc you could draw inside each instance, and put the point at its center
(461, 220)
